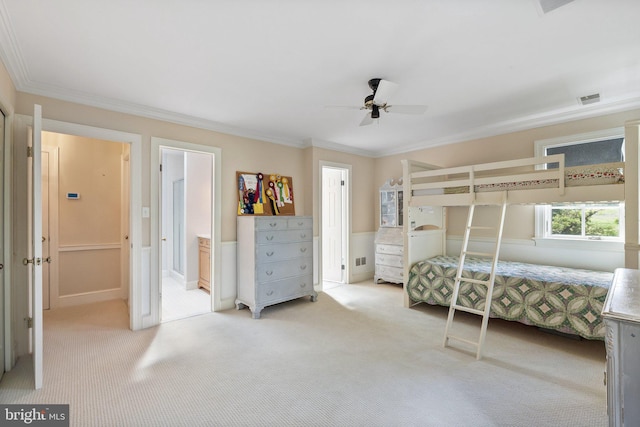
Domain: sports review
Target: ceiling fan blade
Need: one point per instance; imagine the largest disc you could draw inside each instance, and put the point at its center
(345, 107)
(366, 120)
(406, 109)
(385, 90)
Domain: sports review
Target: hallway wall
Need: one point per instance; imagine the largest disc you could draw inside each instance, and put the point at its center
(89, 232)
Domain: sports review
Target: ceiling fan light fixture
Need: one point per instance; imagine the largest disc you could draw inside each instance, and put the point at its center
(368, 102)
(375, 112)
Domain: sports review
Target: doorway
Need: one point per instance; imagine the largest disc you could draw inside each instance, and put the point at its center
(3, 294)
(334, 222)
(186, 210)
(85, 227)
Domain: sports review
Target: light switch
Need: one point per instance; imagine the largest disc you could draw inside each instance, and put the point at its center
(145, 212)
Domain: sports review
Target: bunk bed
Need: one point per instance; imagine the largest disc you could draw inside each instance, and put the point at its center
(562, 299)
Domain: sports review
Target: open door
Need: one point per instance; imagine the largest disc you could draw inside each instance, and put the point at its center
(34, 259)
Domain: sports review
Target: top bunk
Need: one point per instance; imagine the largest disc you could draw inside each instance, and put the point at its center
(534, 180)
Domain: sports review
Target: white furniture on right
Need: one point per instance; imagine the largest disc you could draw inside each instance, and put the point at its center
(391, 204)
(275, 260)
(621, 314)
(389, 242)
(389, 255)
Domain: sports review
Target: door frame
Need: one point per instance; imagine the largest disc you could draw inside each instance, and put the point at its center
(4, 309)
(216, 223)
(135, 196)
(346, 217)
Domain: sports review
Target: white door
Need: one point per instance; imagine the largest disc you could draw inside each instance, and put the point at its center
(332, 224)
(34, 259)
(2, 294)
(46, 245)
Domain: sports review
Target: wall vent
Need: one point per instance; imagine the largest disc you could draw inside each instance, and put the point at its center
(590, 99)
(547, 6)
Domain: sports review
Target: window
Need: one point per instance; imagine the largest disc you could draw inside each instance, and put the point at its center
(583, 221)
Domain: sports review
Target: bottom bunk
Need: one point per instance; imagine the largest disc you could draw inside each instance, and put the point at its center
(566, 300)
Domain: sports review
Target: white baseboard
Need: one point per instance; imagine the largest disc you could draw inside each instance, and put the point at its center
(361, 277)
(90, 297)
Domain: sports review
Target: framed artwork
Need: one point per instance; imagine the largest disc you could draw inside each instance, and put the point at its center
(264, 194)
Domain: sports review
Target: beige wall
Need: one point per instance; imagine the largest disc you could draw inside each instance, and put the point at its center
(519, 223)
(89, 232)
(238, 153)
(7, 91)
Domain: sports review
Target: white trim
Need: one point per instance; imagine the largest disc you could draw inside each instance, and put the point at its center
(216, 219)
(346, 233)
(541, 144)
(76, 248)
(90, 297)
(135, 141)
(7, 345)
(540, 211)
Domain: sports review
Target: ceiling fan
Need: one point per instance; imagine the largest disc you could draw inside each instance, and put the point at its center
(379, 100)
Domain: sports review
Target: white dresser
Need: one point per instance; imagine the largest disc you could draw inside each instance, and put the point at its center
(389, 255)
(275, 261)
(389, 241)
(621, 314)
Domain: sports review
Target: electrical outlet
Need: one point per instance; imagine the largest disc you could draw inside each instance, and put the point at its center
(357, 262)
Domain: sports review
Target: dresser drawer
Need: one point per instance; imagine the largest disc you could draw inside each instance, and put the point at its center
(282, 251)
(279, 270)
(389, 249)
(389, 260)
(284, 290)
(390, 274)
(271, 223)
(266, 237)
(300, 223)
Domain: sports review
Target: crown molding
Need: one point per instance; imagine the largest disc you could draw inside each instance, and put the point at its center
(533, 121)
(315, 142)
(10, 50)
(156, 114)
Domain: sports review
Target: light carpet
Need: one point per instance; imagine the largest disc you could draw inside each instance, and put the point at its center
(356, 357)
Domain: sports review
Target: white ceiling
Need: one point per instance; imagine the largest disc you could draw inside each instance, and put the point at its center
(267, 69)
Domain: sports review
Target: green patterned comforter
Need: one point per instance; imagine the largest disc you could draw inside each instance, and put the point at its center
(564, 299)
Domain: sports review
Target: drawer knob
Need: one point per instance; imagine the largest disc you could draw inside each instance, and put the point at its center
(269, 238)
(303, 235)
(270, 292)
(270, 253)
(269, 273)
(303, 267)
(273, 224)
(300, 223)
(303, 285)
(303, 250)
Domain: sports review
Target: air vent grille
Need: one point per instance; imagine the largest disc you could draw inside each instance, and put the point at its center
(590, 99)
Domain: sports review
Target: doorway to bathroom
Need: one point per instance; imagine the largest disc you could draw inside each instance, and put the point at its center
(186, 208)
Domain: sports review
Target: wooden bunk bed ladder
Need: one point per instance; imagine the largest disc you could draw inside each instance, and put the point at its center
(455, 304)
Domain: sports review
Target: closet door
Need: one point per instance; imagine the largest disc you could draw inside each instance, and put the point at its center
(34, 259)
(3, 336)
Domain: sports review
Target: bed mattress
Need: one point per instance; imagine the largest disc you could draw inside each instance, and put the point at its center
(577, 176)
(567, 300)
